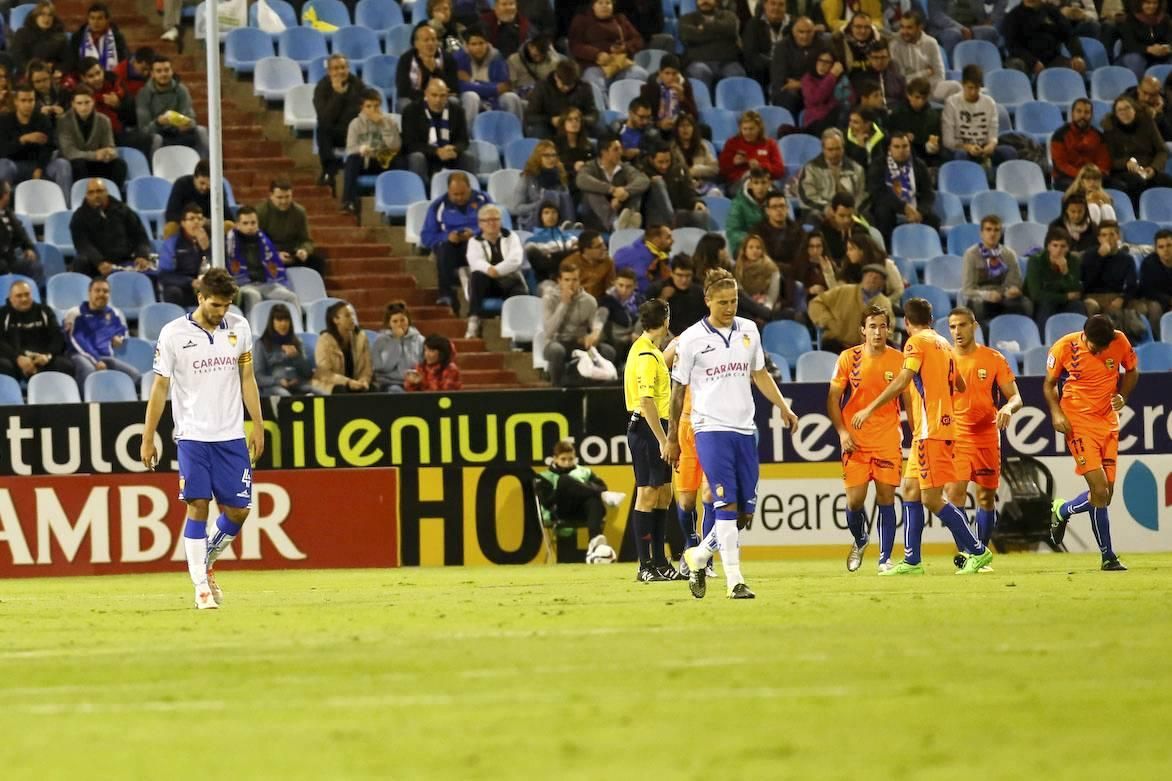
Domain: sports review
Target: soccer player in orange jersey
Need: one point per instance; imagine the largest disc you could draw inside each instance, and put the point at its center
(979, 421)
(689, 478)
(1085, 393)
(930, 369)
(874, 453)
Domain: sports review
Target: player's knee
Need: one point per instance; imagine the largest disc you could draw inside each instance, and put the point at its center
(1100, 496)
(237, 514)
(986, 498)
(686, 500)
(197, 509)
(645, 496)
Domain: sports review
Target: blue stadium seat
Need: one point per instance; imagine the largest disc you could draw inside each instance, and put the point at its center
(77, 191)
(815, 366)
(139, 353)
(995, 202)
(300, 114)
(797, 149)
(497, 127)
(359, 44)
(315, 314)
(244, 47)
(1154, 357)
(622, 92)
(502, 187)
(1061, 87)
(1122, 203)
(153, 317)
(963, 178)
(318, 70)
(1045, 207)
(649, 59)
(51, 258)
(1110, 82)
(330, 11)
(1021, 179)
(623, 237)
(701, 94)
(945, 272)
(941, 303)
(1033, 361)
(8, 280)
(148, 196)
(1063, 323)
(916, 242)
(487, 157)
(394, 191)
(274, 77)
(136, 163)
(722, 122)
(907, 269)
(130, 291)
(941, 327)
(1155, 205)
(413, 222)
(739, 93)
(9, 392)
(1166, 327)
(518, 150)
(962, 237)
(379, 71)
(1159, 72)
(1010, 88)
(1093, 51)
(280, 7)
(1140, 231)
(306, 283)
(18, 15)
(1013, 328)
(109, 386)
(38, 198)
(774, 117)
(977, 52)
(685, 239)
(1039, 119)
(65, 291)
(1025, 238)
(787, 338)
(53, 388)
(780, 362)
(399, 39)
(950, 211)
(303, 45)
(718, 209)
(378, 15)
(258, 316)
(308, 343)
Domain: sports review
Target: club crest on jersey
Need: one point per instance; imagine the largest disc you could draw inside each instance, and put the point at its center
(720, 491)
(746, 341)
(1049, 361)
(982, 374)
(888, 376)
(1110, 363)
(1082, 461)
(232, 338)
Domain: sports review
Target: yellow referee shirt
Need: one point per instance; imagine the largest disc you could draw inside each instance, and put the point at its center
(646, 376)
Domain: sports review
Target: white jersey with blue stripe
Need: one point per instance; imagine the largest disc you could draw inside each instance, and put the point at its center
(717, 365)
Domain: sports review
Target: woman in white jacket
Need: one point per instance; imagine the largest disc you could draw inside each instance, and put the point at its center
(494, 266)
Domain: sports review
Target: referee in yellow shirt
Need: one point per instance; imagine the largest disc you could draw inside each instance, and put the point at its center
(648, 391)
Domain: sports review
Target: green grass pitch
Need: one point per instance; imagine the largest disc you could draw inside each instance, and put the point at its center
(1045, 669)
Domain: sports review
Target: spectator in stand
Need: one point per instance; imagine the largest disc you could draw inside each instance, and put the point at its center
(31, 341)
(1137, 152)
(1082, 15)
(543, 179)
(621, 304)
(254, 261)
(484, 79)
(372, 148)
(41, 37)
(951, 21)
(552, 241)
(991, 281)
(533, 64)
(918, 56)
(164, 109)
(748, 208)
(107, 235)
(337, 99)
(884, 73)
(1149, 96)
(1054, 279)
(1076, 221)
(813, 267)
(449, 28)
(438, 370)
(612, 190)
(838, 310)
(861, 252)
(852, 43)
(758, 274)
(672, 198)
(791, 60)
(648, 256)
(425, 63)
(669, 95)
(636, 133)
(824, 91)
(865, 140)
(1146, 34)
(27, 144)
(1077, 144)
(712, 43)
(540, 14)
(95, 329)
(494, 265)
(450, 222)
(572, 321)
(7, 105)
(282, 367)
(920, 121)
(1155, 281)
(712, 253)
(750, 151)
(684, 295)
(184, 257)
(98, 38)
(841, 221)
(284, 221)
(604, 43)
(397, 350)
(646, 16)
(505, 27)
(133, 74)
(1109, 278)
(901, 188)
(52, 100)
(828, 174)
(695, 154)
(1089, 184)
(762, 33)
(782, 236)
(551, 101)
(196, 188)
(342, 356)
(596, 268)
(18, 254)
(112, 101)
(86, 140)
(970, 123)
(1034, 33)
(435, 133)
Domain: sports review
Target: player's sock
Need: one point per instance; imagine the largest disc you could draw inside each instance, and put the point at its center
(658, 536)
(913, 531)
(226, 531)
(644, 522)
(195, 545)
(1101, 526)
(886, 531)
(709, 520)
(730, 552)
(1079, 504)
(856, 521)
(954, 520)
(688, 527)
(986, 520)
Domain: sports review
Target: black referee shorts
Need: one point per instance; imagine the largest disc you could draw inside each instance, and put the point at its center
(650, 469)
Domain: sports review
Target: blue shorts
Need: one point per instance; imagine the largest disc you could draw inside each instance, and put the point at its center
(220, 470)
(732, 466)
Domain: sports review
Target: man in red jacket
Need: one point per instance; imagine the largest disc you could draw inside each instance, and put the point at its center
(1077, 144)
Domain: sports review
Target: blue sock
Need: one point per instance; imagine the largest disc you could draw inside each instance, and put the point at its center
(1079, 504)
(856, 521)
(195, 530)
(688, 526)
(1101, 526)
(986, 520)
(709, 519)
(913, 531)
(886, 531)
(955, 521)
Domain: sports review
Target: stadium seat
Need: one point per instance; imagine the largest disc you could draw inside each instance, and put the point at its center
(521, 319)
(907, 269)
(65, 291)
(416, 213)
(1025, 238)
(944, 272)
(439, 181)
(941, 303)
(139, 353)
(941, 327)
(995, 202)
(1045, 207)
(1123, 208)
(1009, 88)
(77, 191)
(1033, 361)
(318, 70)
(797, 149)
(487, 157)
(394, 191)
(280, 7)
(51, 258)
(399, 39)
(738, 94)
(1155, 205)
(359, 44)
(649, 59)
(171, 162)
(1110, 82)
(244, 47)
(782, 366)
(145, 385)
(1063, 323)
(38, 198)
(136, 163)
(815, 366)
(1100, 109)
(379, 70)
(315, 314)
(378, 15)
(1166, 327)
(950, 211)
(9, 392)
(17, 16)
(774, 117)
(130, 291)
(963, 178)
(108, 386)
(148, 197)
(303, 45)
(308, 343)
(962, 237)
(1159, 72)
(722, 122)
(8, 280)
(622, 92)
(701, 94)
(153, 317)
(787, 338)
(1154, 357)
(1004, 329)
(1021, 179)
(622, 238)
(1004, 120)
(685, 239)
(916, 242)
(300, 115)
(27, 224)
(274, 77)
(329, 11)
(1061, 87)
(718, 209)
(1039, 119)
(497, 127)
(53, 388)
(977, 52)
(258, 317)
(518, 150)
(502, 187)
(1093, 51)
(306, 283)
(1140, 231)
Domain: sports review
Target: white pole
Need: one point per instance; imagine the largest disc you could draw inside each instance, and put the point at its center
(215, 150)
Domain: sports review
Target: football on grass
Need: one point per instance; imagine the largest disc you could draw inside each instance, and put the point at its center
(602, 554)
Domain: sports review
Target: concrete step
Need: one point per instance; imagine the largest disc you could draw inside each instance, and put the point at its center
(486, 378)
(344, 268)
(354, 250)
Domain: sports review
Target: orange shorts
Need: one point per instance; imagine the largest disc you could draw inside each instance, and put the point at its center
(981, 465)
(863, 466)
(931, 463)
(1094, 450)
(688, 471)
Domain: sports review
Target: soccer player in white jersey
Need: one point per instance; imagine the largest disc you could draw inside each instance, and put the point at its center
(720, 358)
(204, 361)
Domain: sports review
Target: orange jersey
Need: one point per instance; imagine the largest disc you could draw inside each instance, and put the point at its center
(862, 377)
(1088, 381)
(984, 371)
(929, 356)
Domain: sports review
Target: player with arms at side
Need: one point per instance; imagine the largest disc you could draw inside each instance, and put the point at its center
(979, 421)
(720, 359)
(1085, 393)
(929, 368)
(204, 361)
(874, 453)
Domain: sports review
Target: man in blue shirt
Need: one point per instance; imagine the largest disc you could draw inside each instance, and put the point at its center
(95, 330)
(450, 222)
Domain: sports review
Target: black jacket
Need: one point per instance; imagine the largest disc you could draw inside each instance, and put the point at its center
(547, 101)
(10, 132)
(1110, 274)
(13, 238)
(1035, 34)
(183, 192)
(881, 193)
(790, 61)
(406, 91)
(416, 126)
(336, 109)
(36, 330)
(73, 52)
(687, 306)
(116, 234)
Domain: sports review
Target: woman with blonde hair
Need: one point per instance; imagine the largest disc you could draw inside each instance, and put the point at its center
(543, 179)
(1089, 184)
(756, 272)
